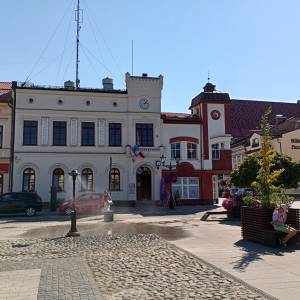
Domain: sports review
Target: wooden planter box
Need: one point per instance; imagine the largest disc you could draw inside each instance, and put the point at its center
(256, 224)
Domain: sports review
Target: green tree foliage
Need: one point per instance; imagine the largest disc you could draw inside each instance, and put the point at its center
(247, 172)
(271, 172)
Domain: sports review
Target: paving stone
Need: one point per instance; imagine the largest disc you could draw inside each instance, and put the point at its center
(131, 266)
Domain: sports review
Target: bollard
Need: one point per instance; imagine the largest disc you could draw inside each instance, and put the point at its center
(108, 216)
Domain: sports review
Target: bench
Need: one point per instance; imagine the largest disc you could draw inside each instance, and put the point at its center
(209, 213)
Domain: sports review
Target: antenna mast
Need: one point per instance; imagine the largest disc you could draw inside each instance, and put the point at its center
(77, 19)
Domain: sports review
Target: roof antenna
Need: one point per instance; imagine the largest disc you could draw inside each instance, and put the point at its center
(132, 58)
(78, 19)
(208, 78)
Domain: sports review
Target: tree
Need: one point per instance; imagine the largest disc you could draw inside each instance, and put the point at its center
(271, 173)
(247, 172)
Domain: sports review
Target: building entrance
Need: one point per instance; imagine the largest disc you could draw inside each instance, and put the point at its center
(143, 183)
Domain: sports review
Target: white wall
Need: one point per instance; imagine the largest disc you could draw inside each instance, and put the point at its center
(178, 130)
(44, 157)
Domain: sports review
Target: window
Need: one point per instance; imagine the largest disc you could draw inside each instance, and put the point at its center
(255, 142)
(58, 179)
(28, 180)
(175, 150)
(59, 133)
(88, 134)
(115, 133)
(1, 136)
(188, 187)
(215, 151)
(191, 151)
(114, 184)
(144, 134)
(86, 180)
(30, 133)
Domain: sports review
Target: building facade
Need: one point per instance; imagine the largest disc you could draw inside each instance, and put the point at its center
(119, 141)
(5, 135)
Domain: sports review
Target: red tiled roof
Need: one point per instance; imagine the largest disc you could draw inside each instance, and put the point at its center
(5, 87)
(179, 117)
(5, 91)
(246, 114)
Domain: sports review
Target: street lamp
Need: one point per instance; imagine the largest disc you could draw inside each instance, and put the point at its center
(73, 230)
(162, 163)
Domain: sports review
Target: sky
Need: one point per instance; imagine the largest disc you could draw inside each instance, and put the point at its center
(251, 48)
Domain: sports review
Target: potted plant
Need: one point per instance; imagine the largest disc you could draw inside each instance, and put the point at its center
(257, 215)
(233, 206)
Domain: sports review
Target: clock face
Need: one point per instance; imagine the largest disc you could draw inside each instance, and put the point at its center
(144, 103)
(215, 114)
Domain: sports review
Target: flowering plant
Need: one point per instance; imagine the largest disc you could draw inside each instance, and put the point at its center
(233, 206)
(170, 178)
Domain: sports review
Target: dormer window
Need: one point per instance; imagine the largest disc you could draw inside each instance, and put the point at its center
(255, 142)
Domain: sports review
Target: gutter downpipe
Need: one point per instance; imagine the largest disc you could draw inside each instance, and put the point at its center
(12, 138)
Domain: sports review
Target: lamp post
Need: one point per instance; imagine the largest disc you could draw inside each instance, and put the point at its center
(73, 230)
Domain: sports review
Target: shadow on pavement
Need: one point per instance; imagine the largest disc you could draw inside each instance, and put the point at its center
(148, 210)
(255, 252)
(42, 217)
(57, 232)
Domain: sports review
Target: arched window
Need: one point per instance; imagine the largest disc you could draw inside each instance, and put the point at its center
(28, 180)
(114, 184)
(87, 180)
(58, 179)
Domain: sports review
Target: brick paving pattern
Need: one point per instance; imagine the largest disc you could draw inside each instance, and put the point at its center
(133, 266)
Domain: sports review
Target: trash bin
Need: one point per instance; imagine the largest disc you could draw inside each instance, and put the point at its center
(108, 216)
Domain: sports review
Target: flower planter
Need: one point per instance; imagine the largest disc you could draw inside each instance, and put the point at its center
(234, 212)
(256, 224)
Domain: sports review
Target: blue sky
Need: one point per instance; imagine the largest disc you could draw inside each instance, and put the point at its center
(250, 47)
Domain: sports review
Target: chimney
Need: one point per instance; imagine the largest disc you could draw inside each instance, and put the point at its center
(279, 119)
(69, 85)
(108, 84)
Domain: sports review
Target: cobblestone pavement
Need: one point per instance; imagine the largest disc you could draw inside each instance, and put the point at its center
(133, 266)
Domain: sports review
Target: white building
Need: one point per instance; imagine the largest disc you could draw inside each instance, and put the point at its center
(61, 129)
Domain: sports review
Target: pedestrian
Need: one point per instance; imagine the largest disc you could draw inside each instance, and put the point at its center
(279, 223)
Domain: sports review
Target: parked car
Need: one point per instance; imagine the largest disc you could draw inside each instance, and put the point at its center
(85, 203)
(17, 202)
(245, 192)
(233, 192)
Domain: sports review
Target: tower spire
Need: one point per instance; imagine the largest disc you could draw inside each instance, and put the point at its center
(78, 21)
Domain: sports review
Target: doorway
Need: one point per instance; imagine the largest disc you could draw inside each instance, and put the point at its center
(143, 184)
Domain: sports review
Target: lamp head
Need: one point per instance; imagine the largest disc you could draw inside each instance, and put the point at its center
(74, 174)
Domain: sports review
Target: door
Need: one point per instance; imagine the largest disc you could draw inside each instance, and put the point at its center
(143, 183)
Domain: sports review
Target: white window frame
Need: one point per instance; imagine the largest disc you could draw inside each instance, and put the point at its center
(179, 185)
(175, 150)
(190, 149)
(215, 151)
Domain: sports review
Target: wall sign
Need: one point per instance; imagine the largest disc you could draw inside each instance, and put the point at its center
(131, 188)
(215, 114)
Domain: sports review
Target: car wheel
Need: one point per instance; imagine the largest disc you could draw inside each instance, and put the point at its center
(68, 211)
(30, 211)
